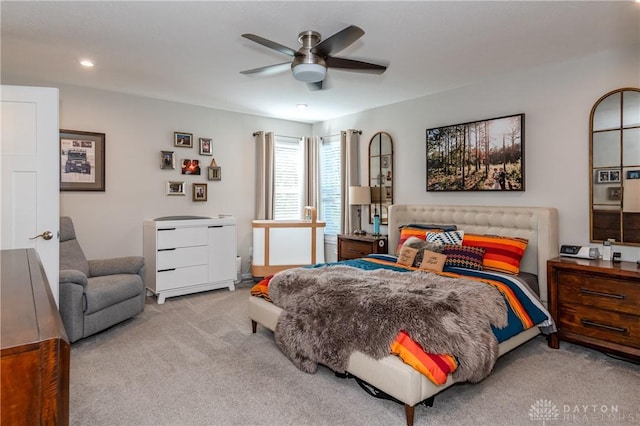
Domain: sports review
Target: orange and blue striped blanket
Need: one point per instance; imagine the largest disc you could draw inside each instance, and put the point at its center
(524, 311)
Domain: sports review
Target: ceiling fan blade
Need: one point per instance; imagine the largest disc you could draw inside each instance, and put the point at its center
(270, 44)
(350, 64)
(269, 69)
(315, 86)
(338, 41)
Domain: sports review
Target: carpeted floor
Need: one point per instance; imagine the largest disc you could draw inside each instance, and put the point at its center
(194, 361)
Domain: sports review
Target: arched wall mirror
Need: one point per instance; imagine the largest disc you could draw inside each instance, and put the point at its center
(381, 176)
(615, 167)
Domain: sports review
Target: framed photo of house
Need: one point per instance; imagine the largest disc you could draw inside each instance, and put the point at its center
(176, 187)
(199, 192)
(206, 146)
(167, 160)
(214, 173)
(82, 162)
(183, 139)
(486, 155)
(633, 174)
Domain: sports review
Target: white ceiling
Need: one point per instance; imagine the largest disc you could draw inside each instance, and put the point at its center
(193, 52)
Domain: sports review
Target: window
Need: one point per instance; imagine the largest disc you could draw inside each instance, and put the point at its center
(288, 178)
(329, 170)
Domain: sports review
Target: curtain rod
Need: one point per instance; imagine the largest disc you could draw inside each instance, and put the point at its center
(279, 136)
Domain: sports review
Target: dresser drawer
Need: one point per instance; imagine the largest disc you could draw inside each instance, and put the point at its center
(181, 257)
(606, 293)
(182, 237)
(611, 326)
(171, 279)
(354, 249)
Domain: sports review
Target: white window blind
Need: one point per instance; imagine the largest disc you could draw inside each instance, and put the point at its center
(330, 184)
(288, 178)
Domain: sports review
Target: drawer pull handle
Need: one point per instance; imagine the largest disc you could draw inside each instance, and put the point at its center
(215, 226)
(598, 293)
(166, 229)
(166, 270)
(606, 327)
(167, 249)
(354, 251)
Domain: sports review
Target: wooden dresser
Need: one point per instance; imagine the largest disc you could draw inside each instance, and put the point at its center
(352, 246)
(595, 303)
(34, 358)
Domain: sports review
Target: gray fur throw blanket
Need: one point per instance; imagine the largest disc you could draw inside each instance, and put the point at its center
(331, 311)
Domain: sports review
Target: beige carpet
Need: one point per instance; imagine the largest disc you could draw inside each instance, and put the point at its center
(194, 361)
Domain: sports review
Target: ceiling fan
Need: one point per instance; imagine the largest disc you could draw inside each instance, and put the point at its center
(311, 61)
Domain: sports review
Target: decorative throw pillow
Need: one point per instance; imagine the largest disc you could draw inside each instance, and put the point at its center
(432, 261)
(406, 232)
(451, 237)
(419, 230)
(407, 255)
(433, 227)
(503, 254)
(417, 243)
(464, 256)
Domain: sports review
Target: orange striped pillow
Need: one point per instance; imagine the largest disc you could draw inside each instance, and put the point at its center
(502, 254)
(407, 232)
(435, 367)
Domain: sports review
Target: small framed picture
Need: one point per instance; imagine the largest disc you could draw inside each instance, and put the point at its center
(633, 174)
(167, 160)
(608, 176)
(206, 147)
(175, 187)
(199, 192)
(614, 193)
(183, 139)
(215, 173)
(190, 167)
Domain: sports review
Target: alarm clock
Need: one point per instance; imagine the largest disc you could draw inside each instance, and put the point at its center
(582, 252)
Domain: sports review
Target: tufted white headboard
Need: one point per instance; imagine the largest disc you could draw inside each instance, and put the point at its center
(539, 225)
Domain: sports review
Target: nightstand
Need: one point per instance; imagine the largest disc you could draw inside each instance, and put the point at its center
(595, 303)
(352, 246)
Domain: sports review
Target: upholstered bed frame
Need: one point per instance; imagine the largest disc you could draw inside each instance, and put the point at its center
(391, 375)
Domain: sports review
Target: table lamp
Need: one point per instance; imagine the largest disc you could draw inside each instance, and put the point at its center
(359, 196)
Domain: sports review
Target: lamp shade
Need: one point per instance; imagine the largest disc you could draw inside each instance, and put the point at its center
(359, 195)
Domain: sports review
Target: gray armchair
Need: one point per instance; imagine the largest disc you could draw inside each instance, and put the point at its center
(96, 294)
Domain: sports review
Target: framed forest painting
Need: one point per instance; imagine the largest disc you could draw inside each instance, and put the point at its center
(485, 155)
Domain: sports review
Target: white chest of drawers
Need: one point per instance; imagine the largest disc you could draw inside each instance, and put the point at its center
(185, 256)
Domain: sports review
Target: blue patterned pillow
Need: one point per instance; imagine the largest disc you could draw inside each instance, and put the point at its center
(461, 257)
(451, 237)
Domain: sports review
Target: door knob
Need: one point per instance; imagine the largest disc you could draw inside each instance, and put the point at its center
(46, 235)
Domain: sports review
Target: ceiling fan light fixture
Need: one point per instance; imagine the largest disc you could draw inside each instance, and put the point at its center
(309, 73)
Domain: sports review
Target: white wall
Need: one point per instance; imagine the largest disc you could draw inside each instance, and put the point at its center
(556, 99)
(110, 223)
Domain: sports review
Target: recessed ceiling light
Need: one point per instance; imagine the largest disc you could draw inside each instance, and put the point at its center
(86, 63)
(302, 106)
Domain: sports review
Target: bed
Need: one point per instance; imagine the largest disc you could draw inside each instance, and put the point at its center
(389, 376)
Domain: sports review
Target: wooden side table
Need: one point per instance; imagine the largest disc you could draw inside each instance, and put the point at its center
(595, 303)
(352, 246)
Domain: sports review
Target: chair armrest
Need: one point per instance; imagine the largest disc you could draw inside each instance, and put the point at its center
(73, 276)
(116, 265)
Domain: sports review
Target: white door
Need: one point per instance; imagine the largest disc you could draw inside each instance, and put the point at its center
(30, 174)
